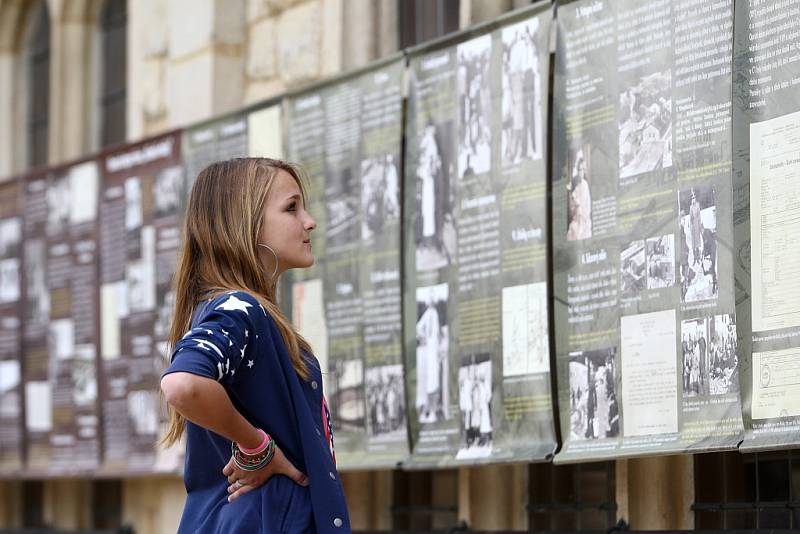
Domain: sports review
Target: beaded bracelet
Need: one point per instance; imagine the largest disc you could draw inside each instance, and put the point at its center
(253, 462)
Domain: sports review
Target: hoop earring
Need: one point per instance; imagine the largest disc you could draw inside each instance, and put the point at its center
(274, 254)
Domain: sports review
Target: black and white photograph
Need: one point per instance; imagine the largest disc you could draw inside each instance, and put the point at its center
(143, 412)
(380, 194)
(10, 236)
(84, 376)
(168, 190)
(58, 204)
(594, 410)
(386, 407)
(694, 343)
(723, 370)
(698, 243)
(660, 261)
(10, 379)
(433, 341)
(133, 204)
(36, 292)
(475, 406)
(435, 229)
(645, 125)
(9, 280)
(341, 204)
(521, 137)
(61, 339)
(475, 107)
(140, 273)
(345, 387)
(632, 270)
(579, 194)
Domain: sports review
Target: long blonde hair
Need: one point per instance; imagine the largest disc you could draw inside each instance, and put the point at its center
(219, 253)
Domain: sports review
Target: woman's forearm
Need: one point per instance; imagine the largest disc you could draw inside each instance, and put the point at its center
(205, 402)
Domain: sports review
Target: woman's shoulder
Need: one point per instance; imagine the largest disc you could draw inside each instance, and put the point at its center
(233, 301)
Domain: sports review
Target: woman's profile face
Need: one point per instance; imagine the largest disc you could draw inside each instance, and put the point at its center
(286, 227)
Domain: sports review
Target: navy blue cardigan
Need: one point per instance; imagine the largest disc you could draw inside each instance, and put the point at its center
(234, 340)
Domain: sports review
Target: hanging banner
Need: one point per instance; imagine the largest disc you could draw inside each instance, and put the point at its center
(141, 197)
(767, 169)
(211, 141)
(476, 306)
(643, 229)
(348, 136)
(11, 295)
(60, 320)
(36, 319)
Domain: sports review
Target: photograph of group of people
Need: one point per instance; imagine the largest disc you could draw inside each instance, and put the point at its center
(380, 194)
(475, 405)
(475, 107)
(710, 363)
(698, 243)
(435, 231)
(647, 264)
(346, 393)
(386, 407)
(645, 125)
(341, 204)
(521, 136)
(433, 341)
(594, 411)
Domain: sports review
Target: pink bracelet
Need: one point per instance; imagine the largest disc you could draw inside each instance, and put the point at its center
(264, 442)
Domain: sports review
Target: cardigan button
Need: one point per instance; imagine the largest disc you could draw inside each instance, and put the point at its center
(337, 522)
(314, 384)
(330, 474)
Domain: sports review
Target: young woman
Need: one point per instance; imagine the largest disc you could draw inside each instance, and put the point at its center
(242, 384)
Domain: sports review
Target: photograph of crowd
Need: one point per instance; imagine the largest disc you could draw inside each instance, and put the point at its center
(594, 412)
(710, 363)
(433, 343)
(345, 387)
(632, 270)
(435, 230)
(475, 405)
(380, 194)
(521, 136)
(341, 203)
(475, 107)
(698, 254)
(386, 407)
(660, 261)
(645, 125)
(579, 195)
(168, 191)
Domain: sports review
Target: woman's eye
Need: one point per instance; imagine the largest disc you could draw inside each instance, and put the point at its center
(292, 207)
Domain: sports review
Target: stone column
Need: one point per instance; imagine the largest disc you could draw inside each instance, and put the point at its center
(67, 504)
(10, 504)
(205, 66)
(660, 491)
(71, 82)
(153, 505)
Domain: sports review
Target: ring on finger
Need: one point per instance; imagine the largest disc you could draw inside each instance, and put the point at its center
(238, 484)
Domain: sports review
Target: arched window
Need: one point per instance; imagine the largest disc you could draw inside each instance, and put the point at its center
(113, 76)
(39, 85)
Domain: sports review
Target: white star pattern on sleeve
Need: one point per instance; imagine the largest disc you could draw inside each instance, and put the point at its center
(202, 343)
(234, 303)
(249, 363)
(242, 351)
